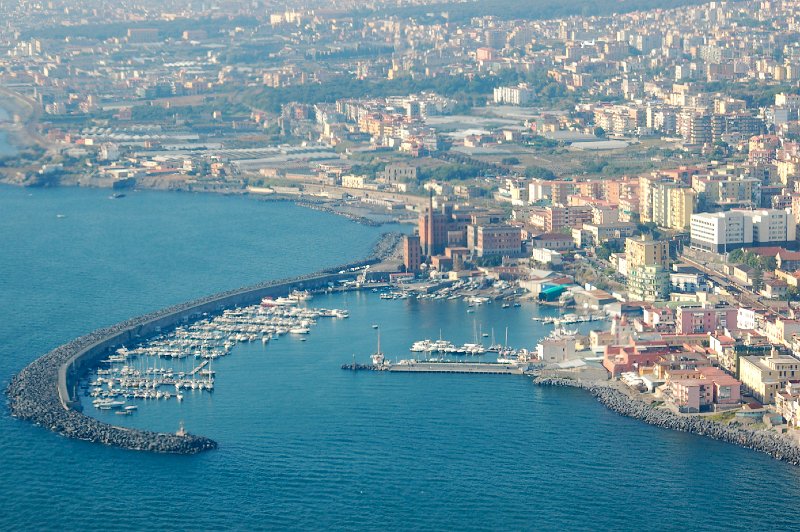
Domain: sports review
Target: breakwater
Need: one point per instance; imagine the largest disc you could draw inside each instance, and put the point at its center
(45, 392)
(771, 443)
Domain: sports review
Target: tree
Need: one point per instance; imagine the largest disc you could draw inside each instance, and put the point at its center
(539, 173)
(758, 280)
(736, 256)
(599, 132)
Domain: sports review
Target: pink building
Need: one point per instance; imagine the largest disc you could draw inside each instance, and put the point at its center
(708, 318)
(619, 359)
(711, 387)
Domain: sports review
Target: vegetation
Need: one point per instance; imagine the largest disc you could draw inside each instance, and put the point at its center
(468, 91)
(608, 247)
(740, 256)
(450, 172)
(537, 172)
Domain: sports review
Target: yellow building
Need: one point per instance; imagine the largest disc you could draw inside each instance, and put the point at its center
(648, 275)
(681, 208)
(764, 377)
(645, 252)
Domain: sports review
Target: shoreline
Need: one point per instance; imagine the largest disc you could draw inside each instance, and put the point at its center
(40, 392)
(317, 204)
(768, 442)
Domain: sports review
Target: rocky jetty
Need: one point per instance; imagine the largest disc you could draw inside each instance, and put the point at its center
(36, 395)
(33, 396)
(768, 442)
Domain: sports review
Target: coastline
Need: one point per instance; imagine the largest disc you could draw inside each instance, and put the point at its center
(317, 204)
(768, 442)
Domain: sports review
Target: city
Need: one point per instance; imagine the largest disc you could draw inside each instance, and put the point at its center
(624, 177)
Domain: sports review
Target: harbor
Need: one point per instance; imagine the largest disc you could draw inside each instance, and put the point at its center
(163, 367)
(46, 391)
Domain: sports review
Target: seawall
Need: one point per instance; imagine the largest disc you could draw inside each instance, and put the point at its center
(43, 392)
(767, 442)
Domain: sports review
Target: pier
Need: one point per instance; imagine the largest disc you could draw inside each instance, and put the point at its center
(492, 368)
(457, 367)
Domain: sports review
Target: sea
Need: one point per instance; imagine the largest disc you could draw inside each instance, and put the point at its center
(303, 444)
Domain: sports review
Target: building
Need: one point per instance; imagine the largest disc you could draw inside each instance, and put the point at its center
(647, 263)
(554, 241)
(485, 240)
(412, 253)
(596, 234)
(399, 173)
(559, 217)
(646, 252)
(764, 377)
(546, 256)
(704, 319)
(558, 347)
(672, 205)
(433, 228)
(721, 232)
(648, 283)
(520, 94)
(704, 388)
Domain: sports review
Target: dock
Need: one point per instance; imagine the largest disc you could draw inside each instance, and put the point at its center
(442, 367)
(457, 367)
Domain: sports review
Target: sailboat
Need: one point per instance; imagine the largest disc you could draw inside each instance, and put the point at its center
(494, 347)
(378, 359)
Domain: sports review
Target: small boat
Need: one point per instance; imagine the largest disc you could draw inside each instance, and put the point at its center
(374, 325)
(131, 408)
(117, 195)
(61, 215)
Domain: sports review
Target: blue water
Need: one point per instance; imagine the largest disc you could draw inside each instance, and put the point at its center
(6, 148)
(303, 444)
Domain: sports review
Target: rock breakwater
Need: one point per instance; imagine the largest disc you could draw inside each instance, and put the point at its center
(771, 443)
(41, 392)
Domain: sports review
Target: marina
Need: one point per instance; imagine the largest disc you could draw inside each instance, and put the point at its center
(169, 365)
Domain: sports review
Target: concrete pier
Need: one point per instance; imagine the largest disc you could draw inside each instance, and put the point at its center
(457, 367)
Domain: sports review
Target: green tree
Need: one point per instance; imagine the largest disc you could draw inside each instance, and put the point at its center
(736, 256)
(758, 280)
(769, 263)
(537, 172)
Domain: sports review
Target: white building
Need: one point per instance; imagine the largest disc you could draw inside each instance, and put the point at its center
(558, 347)
(721, 232)
(546, 256)
(519, 95)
